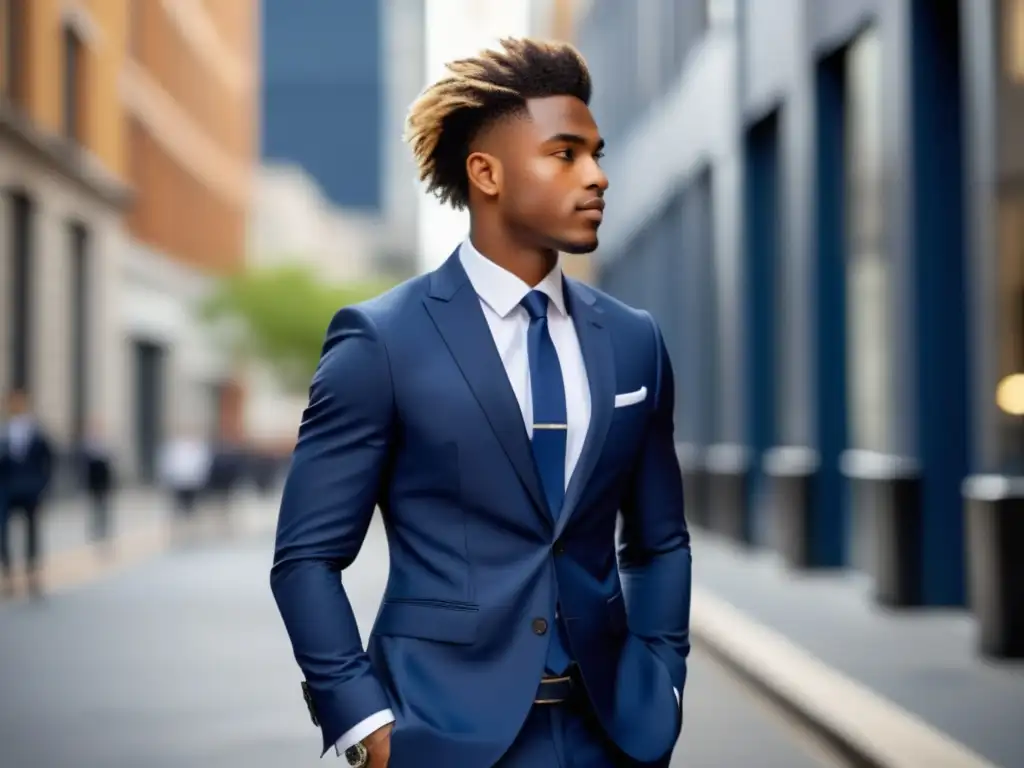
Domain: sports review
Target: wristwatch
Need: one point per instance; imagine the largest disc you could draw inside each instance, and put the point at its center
(357, 756)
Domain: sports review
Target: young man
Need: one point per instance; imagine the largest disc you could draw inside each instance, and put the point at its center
(501, 416)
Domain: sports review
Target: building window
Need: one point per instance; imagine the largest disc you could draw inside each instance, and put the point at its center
(150, 363)
(1013, 46)
(6, 39)
(73, 81)
(78, 274)
(13, 41)
(868, 267)
(136, 9)
(20, 293)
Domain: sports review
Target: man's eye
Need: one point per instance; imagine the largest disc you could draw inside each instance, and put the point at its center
(599, 154)
(565, 154)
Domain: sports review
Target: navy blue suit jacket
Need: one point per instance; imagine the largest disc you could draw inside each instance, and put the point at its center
(411, 410)
(24, 480)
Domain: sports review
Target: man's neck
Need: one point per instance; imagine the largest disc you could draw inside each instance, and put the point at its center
(531, 265)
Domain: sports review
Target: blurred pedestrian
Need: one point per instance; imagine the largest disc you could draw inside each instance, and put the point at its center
(226, 474)
(98, 479)
(184, 471)
(264, 470)
(26, 467)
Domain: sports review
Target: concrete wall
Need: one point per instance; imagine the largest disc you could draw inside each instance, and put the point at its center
(158, 301)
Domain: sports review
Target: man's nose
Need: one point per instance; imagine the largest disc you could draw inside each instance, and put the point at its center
(596, 179)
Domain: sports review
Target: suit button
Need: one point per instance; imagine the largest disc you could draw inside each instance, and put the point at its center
(559, 548)
(540, 626)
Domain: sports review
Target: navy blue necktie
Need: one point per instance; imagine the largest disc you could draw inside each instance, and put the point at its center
(550, 427)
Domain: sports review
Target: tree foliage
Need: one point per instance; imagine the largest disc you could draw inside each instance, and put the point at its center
(279, 315)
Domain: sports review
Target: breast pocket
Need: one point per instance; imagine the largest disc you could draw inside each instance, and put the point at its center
(625, 434)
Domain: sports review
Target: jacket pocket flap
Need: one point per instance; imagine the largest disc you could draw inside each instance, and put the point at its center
(428, 620)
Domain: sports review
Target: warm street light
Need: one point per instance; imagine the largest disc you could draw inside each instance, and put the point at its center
(1010, 394)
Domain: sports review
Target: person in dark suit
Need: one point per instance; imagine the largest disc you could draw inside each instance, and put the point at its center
(98, 478)
(226, 473)
(505, 419)
(26, 466)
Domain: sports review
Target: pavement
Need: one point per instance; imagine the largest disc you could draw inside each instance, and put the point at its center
(145, 655)
(140, 528)
(177, 658)
(886, 688)
(66, 523)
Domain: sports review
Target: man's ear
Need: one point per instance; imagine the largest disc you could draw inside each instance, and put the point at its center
(484, 172)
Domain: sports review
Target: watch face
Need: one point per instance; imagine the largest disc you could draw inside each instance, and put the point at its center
(356, 755)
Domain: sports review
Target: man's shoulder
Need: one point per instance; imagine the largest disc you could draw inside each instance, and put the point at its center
(395, 304)
(618, 312)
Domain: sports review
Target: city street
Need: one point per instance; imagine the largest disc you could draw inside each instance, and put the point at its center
(181, 661)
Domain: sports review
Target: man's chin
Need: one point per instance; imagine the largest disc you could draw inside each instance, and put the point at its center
(579, 246)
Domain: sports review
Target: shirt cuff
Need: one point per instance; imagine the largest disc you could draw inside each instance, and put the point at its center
(362, 729)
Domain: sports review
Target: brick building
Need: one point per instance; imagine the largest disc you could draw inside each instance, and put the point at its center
(188, 89)
(127, 134)
(63, 189)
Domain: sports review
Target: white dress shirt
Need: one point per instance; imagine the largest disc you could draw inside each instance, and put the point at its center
(19, 436)
(500, 294)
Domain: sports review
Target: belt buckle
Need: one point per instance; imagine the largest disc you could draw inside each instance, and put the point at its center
(558, 689)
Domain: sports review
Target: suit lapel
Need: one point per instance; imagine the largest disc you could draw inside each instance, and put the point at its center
(455, 309)
(599, 359)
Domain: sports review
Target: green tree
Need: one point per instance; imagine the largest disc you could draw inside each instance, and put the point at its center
(279, 315)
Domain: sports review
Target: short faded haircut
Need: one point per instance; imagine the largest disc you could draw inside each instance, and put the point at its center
(447, 116)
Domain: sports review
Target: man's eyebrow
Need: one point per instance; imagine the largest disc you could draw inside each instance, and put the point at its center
(575, 138)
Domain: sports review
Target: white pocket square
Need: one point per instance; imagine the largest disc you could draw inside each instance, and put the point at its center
(631, 398)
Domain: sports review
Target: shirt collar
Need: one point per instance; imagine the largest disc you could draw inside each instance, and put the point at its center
(500, 289)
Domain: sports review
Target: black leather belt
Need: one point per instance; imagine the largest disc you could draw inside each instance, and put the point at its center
(555, 690)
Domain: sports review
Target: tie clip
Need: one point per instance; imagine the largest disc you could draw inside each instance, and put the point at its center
(551, 426)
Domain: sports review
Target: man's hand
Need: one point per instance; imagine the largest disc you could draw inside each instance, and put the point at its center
(378, 746)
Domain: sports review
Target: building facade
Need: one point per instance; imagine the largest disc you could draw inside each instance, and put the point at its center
(127, 138)
(337, 80)
(188, 89)
(62, 192)
(821, 202)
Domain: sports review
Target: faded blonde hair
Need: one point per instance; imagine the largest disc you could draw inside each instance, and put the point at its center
(446, 117)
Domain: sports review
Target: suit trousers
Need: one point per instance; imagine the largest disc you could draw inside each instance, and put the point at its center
(100, 521)
(30, 510)
(566, 735)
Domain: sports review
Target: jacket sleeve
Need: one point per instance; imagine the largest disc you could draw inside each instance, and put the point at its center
(654, 543)
(330, 493)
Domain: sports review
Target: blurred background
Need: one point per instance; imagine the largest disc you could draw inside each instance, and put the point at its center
(821, 201)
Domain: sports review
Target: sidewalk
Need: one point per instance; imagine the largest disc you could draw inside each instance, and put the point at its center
(897, 685)
(141, 528)
(65, 522)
